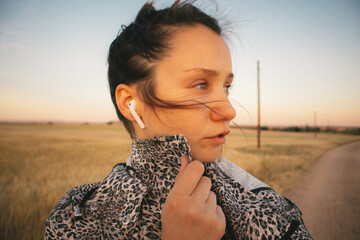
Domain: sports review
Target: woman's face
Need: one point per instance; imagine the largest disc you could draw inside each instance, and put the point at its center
(196, 69)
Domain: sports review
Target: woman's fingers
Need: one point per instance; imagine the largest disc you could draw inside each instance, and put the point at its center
(202, 190)
(211, 202)
(184, 163)
(221, 215)
(189, 179)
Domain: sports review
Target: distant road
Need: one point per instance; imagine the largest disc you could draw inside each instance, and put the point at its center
(329, 194)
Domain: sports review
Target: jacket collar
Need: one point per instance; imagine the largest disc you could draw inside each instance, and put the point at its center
(158, 158)
(152, 161)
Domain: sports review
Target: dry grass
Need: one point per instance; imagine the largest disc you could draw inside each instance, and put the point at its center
(283, 156)
(39, 163)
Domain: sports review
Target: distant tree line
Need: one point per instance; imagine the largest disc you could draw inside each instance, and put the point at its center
(297, 129)
(343, 130)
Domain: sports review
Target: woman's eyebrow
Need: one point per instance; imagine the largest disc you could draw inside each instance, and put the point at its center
(210, 72)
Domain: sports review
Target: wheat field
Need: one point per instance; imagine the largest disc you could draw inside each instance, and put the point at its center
(39, 163)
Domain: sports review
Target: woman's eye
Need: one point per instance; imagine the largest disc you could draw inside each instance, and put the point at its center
(201, 86)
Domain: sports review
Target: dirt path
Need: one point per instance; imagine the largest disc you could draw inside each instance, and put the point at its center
(329, 194)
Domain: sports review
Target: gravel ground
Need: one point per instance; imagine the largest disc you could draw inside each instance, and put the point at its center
(329, 194)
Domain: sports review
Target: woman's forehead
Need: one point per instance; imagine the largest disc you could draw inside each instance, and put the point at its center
(197, 47)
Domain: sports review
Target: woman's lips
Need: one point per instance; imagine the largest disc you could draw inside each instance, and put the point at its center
(219, 138)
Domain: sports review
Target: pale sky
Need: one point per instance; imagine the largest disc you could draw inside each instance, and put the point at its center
(53, 59)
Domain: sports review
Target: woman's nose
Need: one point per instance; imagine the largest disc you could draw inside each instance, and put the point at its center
(222, 110)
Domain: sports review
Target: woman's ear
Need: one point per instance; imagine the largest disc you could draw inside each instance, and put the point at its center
(124, 94)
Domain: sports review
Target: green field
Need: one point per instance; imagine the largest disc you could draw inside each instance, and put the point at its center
(39, 163)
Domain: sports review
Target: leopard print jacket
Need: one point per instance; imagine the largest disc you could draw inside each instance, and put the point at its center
(127, 203)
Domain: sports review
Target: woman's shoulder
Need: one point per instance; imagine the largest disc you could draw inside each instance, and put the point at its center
(252, 184)
(241, 176)
(81, 201)
(59, 223)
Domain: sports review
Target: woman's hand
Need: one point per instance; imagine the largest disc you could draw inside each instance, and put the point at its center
(190, 210)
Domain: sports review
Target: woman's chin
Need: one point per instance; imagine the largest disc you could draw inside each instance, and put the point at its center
(205, 157)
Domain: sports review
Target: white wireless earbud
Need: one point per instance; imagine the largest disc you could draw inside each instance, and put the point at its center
(135, 115)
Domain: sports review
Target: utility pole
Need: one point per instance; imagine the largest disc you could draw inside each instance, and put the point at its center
(315, 124)
(258, 85)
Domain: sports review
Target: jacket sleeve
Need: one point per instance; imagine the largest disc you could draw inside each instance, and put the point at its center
(297, 229)
(59, 223)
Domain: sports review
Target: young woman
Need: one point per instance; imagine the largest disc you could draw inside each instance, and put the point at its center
(169, 74)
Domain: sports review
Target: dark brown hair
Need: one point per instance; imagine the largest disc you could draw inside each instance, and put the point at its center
(145, 41)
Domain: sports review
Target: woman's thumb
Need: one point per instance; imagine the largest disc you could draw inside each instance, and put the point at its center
(184, 164)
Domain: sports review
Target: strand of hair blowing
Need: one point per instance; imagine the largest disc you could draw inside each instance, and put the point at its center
(134, 52)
